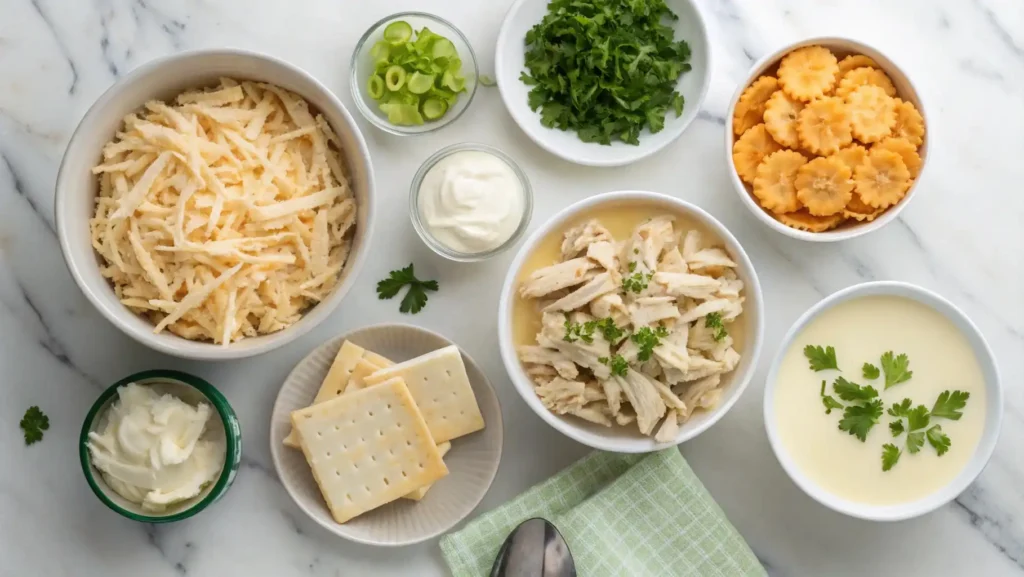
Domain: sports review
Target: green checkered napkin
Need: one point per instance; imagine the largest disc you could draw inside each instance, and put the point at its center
(635, 515)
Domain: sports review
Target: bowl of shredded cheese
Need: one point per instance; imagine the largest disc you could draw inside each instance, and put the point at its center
(215, 204)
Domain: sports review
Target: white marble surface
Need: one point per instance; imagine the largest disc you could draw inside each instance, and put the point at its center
(961, 237)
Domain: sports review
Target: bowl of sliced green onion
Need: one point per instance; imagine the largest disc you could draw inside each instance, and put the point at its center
(413, 73)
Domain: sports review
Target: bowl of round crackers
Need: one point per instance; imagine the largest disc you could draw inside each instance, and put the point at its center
(827, 139)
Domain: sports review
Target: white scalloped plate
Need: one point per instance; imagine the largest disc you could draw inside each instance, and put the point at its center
(472, 461)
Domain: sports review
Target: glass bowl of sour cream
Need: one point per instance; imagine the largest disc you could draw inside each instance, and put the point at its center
(470, 202)
(160, 446)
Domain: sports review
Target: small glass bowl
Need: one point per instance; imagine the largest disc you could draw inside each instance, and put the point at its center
(436, 245)
(362, 67)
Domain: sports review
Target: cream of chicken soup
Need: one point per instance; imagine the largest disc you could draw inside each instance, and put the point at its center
(880, 400)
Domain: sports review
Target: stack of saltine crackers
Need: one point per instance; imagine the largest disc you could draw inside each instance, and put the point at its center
(377, 431)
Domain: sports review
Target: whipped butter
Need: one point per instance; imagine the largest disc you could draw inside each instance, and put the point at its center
(152, 449)
(471, 201)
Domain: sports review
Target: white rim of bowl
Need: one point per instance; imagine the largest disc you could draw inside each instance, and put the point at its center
(210, 351)
(507, 99)
(277, 448)
(515, 370)
(364, 107)
(436, 245)
(986, 445)
(747, 199)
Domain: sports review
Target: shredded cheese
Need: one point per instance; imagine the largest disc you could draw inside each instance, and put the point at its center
(224, 215)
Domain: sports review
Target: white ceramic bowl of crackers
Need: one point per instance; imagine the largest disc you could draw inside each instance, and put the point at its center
(215, 204)
(827, 140)
(389, 435)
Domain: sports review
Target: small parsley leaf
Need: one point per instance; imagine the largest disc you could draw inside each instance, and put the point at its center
(938, 439)
(915, 441)
(950, 405)
(646, 339)
(895, 368)
(849, 391)
(415, 298)
(890, 455)
(896, 427)
(714, 321)
(618, 365)
(917, 418)
(858, 419)
(829, 401)
(900, 409)
(821, 358)
(33, 424)
(870, 371)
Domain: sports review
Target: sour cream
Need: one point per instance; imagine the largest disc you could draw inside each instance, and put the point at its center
(152, 449)
(471, 201)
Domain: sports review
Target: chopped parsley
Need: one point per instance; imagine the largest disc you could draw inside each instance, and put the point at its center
(890, 455)
(821, 359)
(415, 298)
(714, 321)
(637, 282)
(950, 405)
(895, 369)
(33, 424)
(608, 329)
(646, 339)
(617, 364)
(829, 401)
(869, 371)
(938, 440)
(859, 419)
(849, 391)
(605, 69)
(578, 332)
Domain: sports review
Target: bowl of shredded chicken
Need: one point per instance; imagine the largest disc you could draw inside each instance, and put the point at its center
(223, 214)
(631, 321)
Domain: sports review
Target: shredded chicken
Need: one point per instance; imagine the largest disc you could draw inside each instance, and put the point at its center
(634, 330)
(556, 277)
(578, 238)
(561, 396)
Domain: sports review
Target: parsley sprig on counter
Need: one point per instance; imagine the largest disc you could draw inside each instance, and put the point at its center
(605, 68)
(33, 424)
(415, 298)
(863, 406)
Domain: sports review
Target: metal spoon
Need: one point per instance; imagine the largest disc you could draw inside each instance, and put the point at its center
(534, 549)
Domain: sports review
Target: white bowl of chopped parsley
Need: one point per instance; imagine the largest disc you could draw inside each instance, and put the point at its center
(603, 82)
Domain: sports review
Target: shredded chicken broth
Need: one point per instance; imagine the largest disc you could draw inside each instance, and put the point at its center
(686, 277)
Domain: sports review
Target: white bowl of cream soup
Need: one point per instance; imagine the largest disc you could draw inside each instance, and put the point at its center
(883, 402)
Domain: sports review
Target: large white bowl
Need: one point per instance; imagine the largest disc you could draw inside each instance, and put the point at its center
(628, 439)
(906, 91)
(163, 79)
(509, 62)
(989, 436)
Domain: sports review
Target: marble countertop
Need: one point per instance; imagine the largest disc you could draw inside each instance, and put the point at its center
(961, 237)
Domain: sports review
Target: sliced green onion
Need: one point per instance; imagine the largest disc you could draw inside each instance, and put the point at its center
(375, 87)
(402, 114)
(417, 75)
(434, 108)
(394, 78)
(443, 48)
(453, 82)
(398, 32)
(420, 83)
(380, 52)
